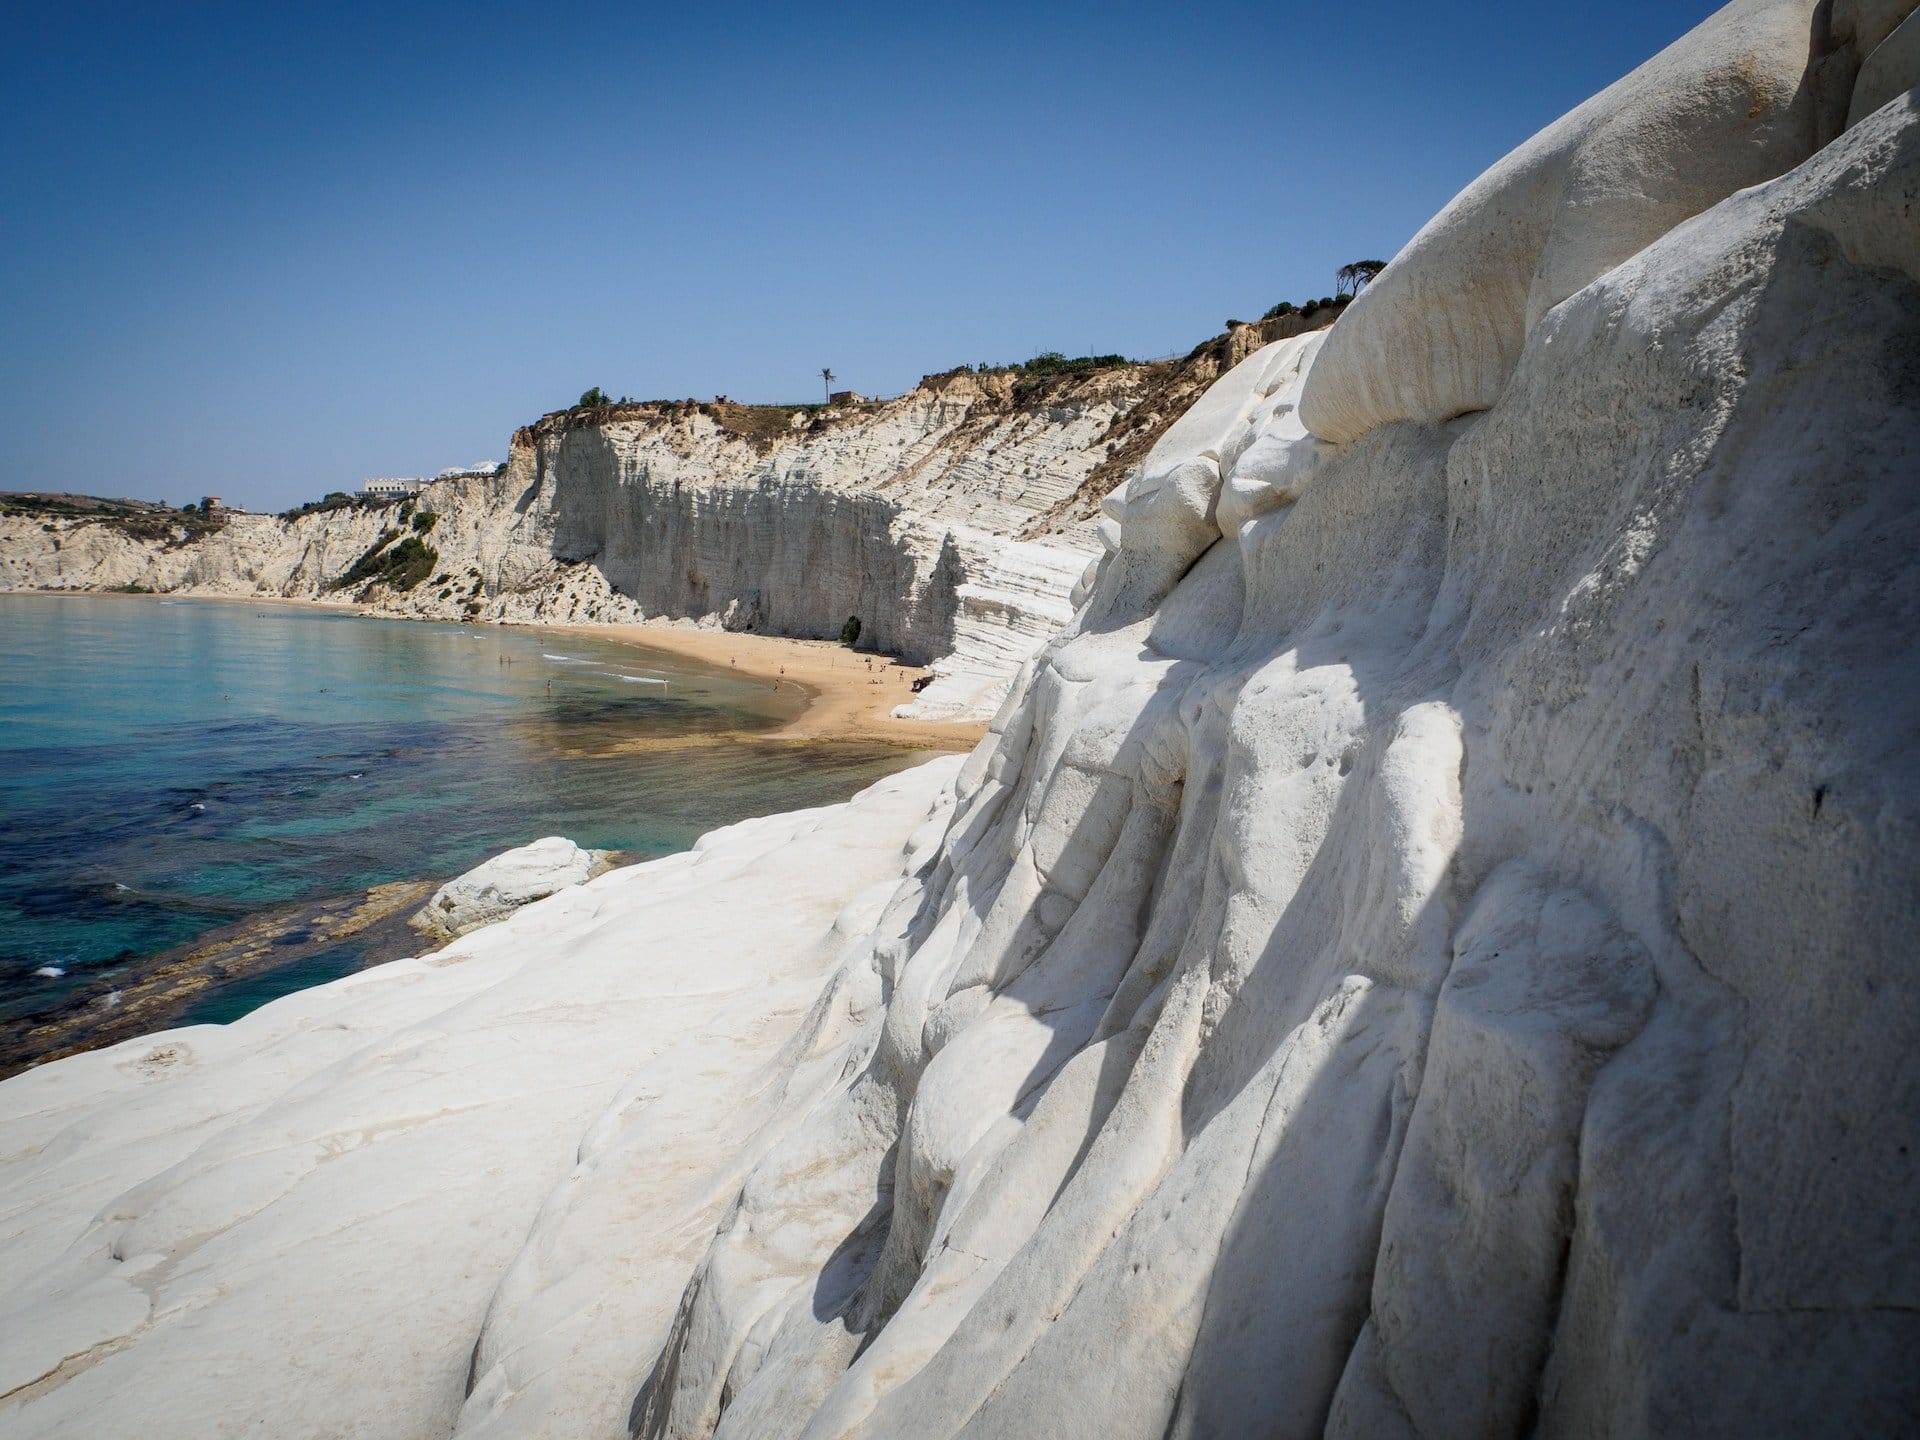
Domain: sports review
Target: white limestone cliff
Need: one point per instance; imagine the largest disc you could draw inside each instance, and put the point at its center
(903, 513)
(1425, 951)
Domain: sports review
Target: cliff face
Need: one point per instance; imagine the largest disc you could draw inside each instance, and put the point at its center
(1426, 951)
(953, 521)
(298, 558)
(885, 513)
(1415, 957)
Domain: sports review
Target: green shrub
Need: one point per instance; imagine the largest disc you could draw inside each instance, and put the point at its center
(410, 562)
(332, 500)
(1052, 362)
(593, 399)
(850, 632)
(363, 567)
(1285, 307)
(400, 567)
(425, 521)
(138, 520)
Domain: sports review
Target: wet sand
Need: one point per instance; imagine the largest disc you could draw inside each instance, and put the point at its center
(849, 692)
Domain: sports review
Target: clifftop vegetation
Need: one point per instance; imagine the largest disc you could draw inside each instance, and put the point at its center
(139, 519)
(1009, 382)
(1349, 280)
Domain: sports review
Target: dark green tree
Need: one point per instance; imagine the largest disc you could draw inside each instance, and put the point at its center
(1352, 279)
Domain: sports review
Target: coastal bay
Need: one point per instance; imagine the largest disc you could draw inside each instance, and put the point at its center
(192, 788)
(1423, 947)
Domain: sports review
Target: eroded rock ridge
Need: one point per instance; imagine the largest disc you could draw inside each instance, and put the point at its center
(1425, 951)
(1420, 955)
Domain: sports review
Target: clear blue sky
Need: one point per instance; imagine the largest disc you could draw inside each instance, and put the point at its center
(267, 250)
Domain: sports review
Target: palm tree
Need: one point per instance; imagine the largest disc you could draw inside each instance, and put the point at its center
(828, 376)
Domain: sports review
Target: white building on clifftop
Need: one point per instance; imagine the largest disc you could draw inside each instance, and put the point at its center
(477, 471)
(391, 487)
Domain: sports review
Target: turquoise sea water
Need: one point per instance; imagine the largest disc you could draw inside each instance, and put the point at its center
(167, 767)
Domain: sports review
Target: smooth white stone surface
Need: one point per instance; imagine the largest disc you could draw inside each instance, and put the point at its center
(1427, 949)
(495, 888)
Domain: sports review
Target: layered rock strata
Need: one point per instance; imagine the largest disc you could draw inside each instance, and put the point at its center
(1425, 951)
(1420, 956)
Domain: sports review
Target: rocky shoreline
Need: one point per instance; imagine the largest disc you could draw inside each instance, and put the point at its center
(1425, 949)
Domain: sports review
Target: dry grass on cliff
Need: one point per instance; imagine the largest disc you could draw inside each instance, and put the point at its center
(137, 519)
(1164, 388)
(761, 426)
(1172, 387)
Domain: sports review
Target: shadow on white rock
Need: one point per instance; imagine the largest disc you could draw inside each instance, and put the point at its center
(1405, 961)
(1427, 949)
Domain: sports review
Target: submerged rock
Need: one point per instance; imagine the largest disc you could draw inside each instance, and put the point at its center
(495, 888)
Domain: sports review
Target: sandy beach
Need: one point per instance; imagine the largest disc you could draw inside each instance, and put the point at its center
(851, 692)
